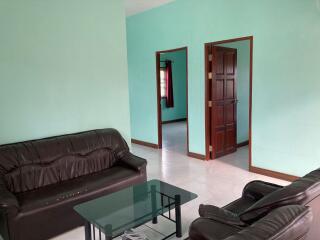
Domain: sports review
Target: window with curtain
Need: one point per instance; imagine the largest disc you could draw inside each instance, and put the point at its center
(166, 86)
(163, 82)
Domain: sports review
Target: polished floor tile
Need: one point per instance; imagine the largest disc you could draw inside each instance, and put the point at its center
(216, 182)
(174, 137)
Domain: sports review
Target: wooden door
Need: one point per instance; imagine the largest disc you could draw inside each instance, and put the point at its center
(223, 101)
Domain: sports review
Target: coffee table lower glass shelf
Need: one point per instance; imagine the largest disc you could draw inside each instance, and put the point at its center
(109, 216)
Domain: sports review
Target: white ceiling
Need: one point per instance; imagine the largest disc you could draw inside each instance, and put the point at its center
(138, 6)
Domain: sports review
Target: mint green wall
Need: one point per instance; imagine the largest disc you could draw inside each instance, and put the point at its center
(286, 99)
(179, 79)
(63, 68)
(243, 87)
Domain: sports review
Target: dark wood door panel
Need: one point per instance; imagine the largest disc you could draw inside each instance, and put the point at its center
(223, 96)
(230, 88)
(230, 117)
(218, 117)
(219, 137)
(230, 141)
(219, 90)
(220, 59)
(230, 62)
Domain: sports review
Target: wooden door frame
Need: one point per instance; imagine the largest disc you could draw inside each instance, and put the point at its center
(250, 38)
(159, 118)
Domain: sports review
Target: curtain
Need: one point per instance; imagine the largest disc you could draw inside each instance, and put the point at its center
(169, 93)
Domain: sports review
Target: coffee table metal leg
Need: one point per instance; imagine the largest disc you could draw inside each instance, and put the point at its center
(87, 229)
(154, 204)
(177, 201)
(108, 232)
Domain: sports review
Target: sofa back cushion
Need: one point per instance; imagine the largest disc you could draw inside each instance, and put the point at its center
(301, 192)
(33, 164)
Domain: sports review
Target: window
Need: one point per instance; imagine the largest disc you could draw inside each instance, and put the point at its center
(163, 82)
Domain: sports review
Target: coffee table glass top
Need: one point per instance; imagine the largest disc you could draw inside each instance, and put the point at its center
(132, 206)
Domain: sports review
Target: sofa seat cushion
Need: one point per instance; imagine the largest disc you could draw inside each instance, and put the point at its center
(74, 190)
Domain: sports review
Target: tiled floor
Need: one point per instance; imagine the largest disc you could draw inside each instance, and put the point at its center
(216, 182)
(174, 137)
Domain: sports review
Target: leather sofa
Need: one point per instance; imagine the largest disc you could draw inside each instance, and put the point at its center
(260, 207)
(42, 180)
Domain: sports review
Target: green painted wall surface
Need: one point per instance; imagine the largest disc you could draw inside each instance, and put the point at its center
(286, 86)
(243, 87)
(63, 68)
(179, 79)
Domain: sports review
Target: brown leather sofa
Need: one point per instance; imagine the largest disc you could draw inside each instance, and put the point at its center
(42, 180)
(260, 212)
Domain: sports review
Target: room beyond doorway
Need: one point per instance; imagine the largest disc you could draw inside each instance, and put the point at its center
(172, 99)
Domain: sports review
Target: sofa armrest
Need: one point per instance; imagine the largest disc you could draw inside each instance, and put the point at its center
(289, 222)
(134, 162)
(259, 189)
(220, 215)
(208, 229)
(7, 199)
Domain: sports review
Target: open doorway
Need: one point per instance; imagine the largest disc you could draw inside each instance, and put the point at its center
(228, 97)
(172, 99)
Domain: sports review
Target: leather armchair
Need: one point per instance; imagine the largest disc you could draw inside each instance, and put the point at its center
(260, 199)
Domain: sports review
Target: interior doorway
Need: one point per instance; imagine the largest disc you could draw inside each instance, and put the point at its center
(172, 99)
(228, 95)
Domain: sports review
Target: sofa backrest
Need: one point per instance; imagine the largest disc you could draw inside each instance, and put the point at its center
(33, 164)
(301, 191)
(290, 222)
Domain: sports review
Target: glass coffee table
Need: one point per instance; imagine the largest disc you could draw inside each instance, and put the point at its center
(111, 215)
